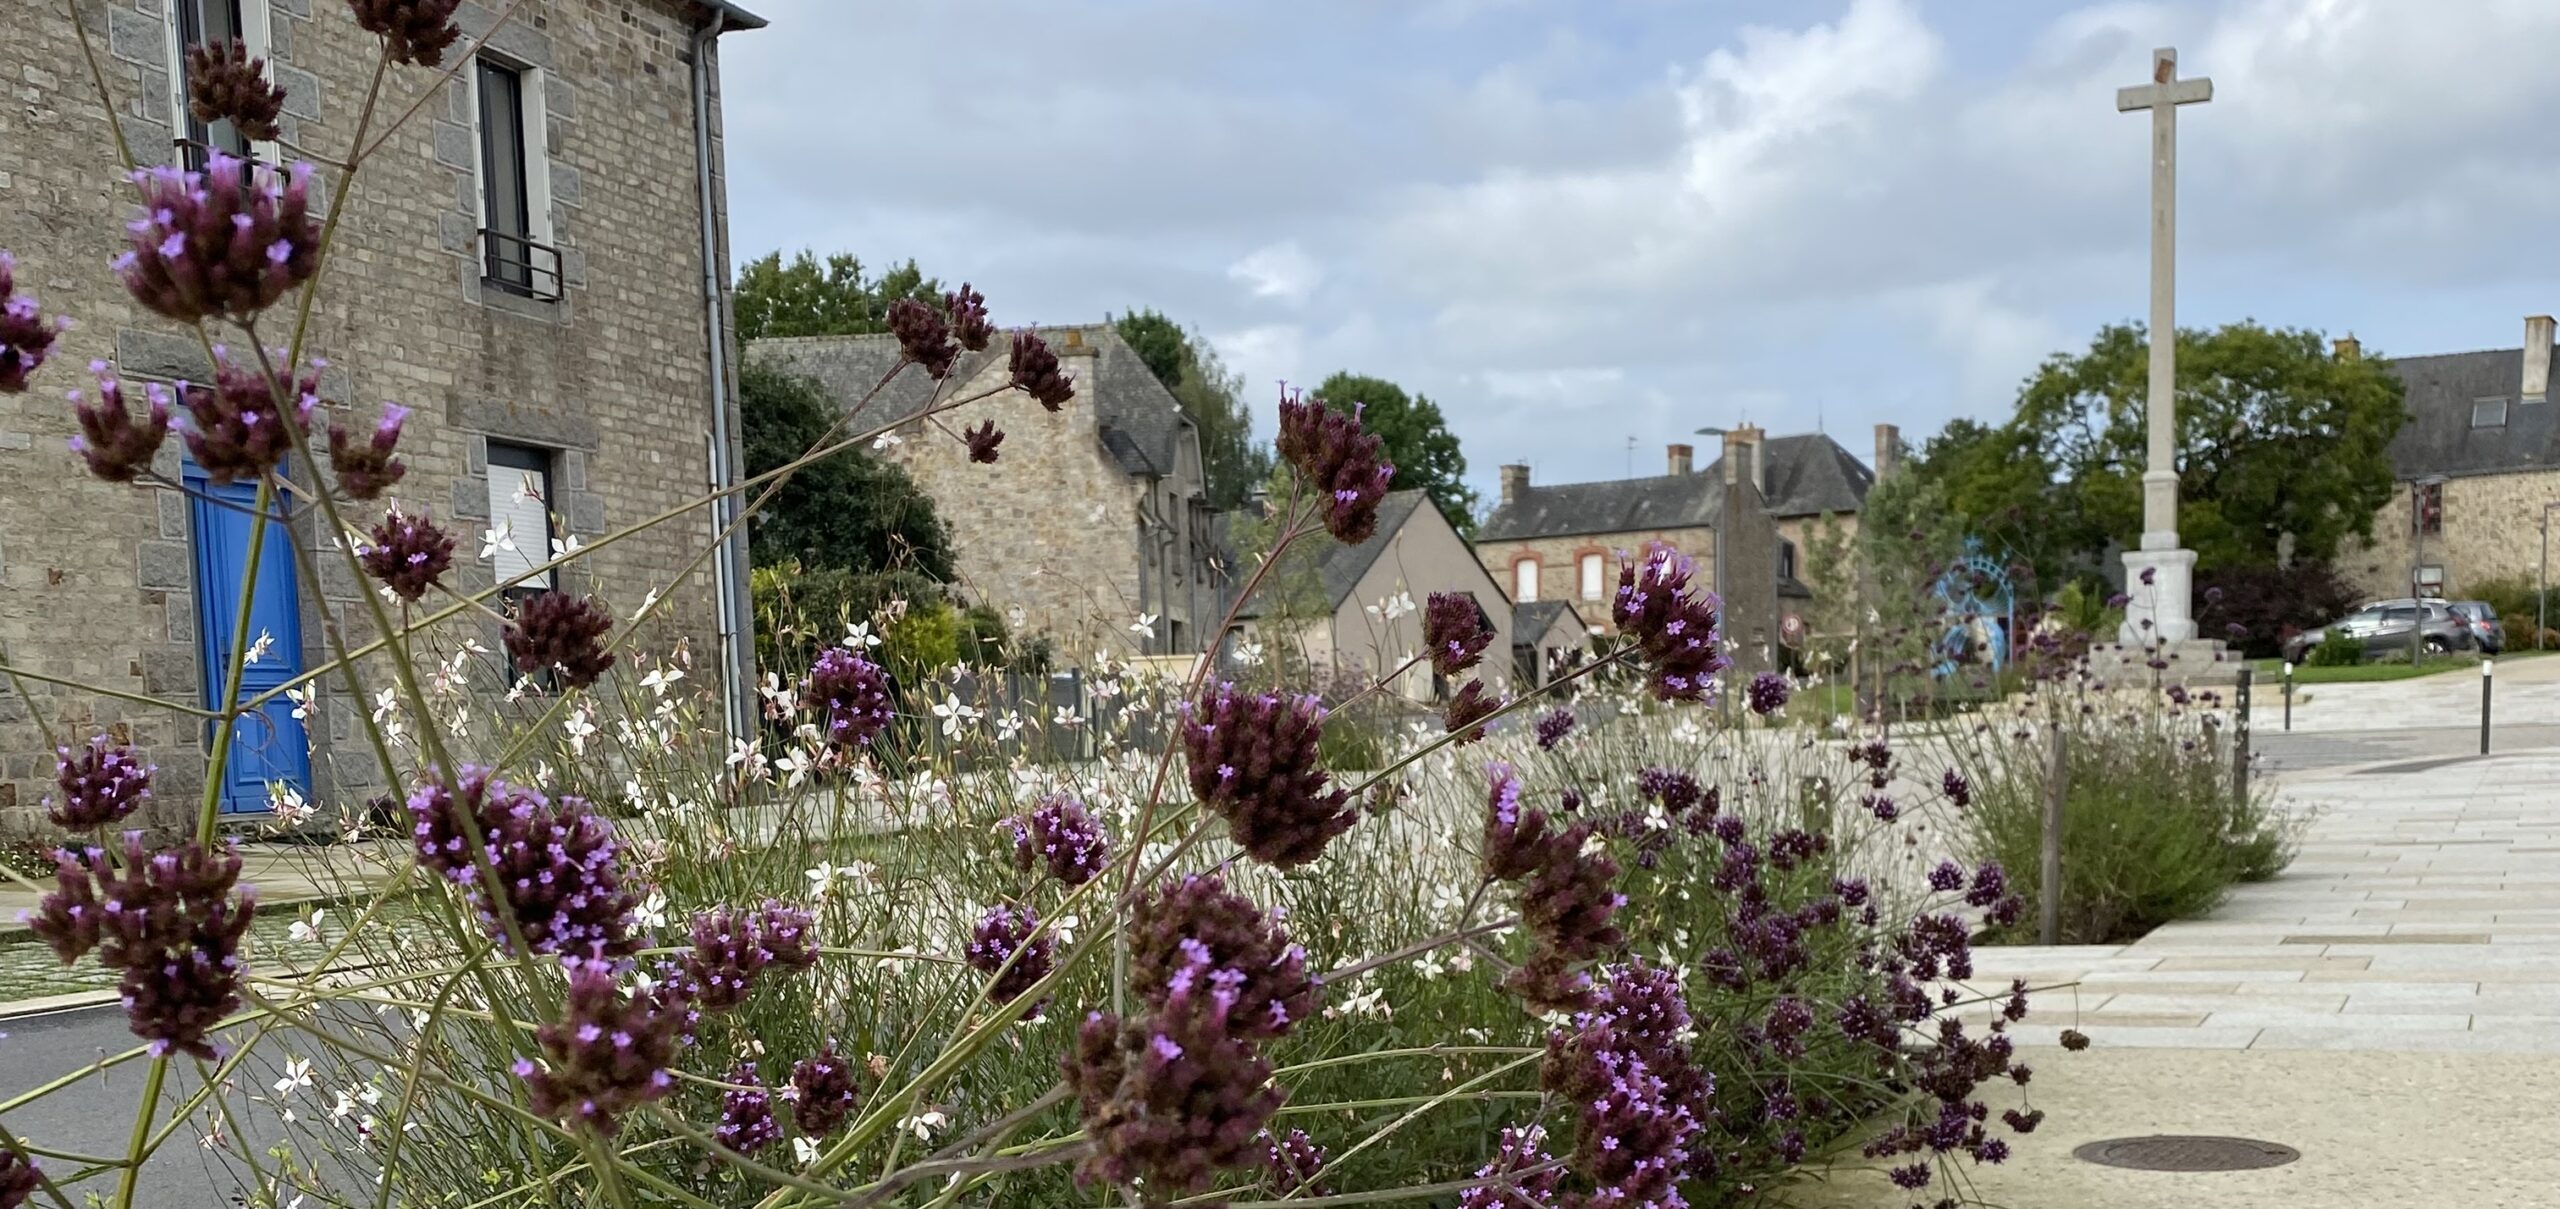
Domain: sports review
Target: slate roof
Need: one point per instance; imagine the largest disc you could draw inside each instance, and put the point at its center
(1532, 620)
(1141, 425)
(1809, 474)
(1338, 568)
(2438, 437)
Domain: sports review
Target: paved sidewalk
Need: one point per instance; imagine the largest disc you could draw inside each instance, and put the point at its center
(2421, 915)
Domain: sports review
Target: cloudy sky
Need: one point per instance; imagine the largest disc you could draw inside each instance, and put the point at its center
(1576, 222)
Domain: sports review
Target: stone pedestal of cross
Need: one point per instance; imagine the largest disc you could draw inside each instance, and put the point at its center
(2160, 576)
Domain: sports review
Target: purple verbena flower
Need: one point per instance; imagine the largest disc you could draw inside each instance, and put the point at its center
(1674, 630)
(1253, 761)
(558, 631)
(117, 446)
(966, 308)
(1292, 1163)
(1340, 462)
(225, 84)
(19, 1180)
(788, 934)
(1676, 791)
(1958, 790)
(1063, 837)
(824, 1092)
(367, 470)
(924, 335)
(1467, 712)
(407, 553)
(558, 863)
(982, 442)
(1454, 631)
(99, 785)
(170, 920)
(1009, 934)
(416, 31)
(1768, 693)
(747, 1124)
(1175, 1098)
(1195, 928)
(226, 242)
(1520, 1176)
(26, 336)
(236, 427)
(727, 955)
(1553, 726)
(851, 695)
(1946, 876)
(1035, 371)
(607, 1055)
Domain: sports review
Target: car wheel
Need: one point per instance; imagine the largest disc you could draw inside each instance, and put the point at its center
(2436, 646)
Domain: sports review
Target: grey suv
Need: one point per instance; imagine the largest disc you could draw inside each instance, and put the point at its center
(2383, 627)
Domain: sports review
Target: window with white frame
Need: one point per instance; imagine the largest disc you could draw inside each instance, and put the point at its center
(515, 179)
(520, 515)
(1591, 567)
(200, 22)
(1524, 580)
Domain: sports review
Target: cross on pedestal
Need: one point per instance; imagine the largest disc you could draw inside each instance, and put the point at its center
(2166, 600)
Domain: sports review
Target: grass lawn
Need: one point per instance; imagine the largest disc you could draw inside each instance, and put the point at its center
(2271, 671)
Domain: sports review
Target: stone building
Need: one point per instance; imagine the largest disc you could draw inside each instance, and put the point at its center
(1091, 518)
(1370, 597)
(532, 260)
(2478, 462)
(1548, 637)
(1565, 542)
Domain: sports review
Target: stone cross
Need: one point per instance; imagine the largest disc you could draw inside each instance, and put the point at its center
(2166, 600)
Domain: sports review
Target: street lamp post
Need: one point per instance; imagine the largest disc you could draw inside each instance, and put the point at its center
(2418, 489)
(1725, 606)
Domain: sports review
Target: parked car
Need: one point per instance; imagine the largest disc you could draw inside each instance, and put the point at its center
(2383, 627)
(2486, 629)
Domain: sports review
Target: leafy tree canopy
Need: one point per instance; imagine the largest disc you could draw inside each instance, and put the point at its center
(1417, 438)
(1211, 395)
(850, 510)
(2276, 436)
(806, 298)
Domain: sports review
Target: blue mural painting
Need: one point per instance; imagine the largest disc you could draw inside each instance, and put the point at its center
(1980, 611)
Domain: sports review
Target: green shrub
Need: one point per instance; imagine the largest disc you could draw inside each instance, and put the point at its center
(2151, 830)
(2514, 598)
(2336, 649)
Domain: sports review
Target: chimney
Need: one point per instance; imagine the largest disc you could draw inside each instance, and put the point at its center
(1739, 457)
(1680, 458)
(1074, 345)
(1757, 439)
(1888, 448)
(1515, 482)
(2347, 348)
(2537, 356)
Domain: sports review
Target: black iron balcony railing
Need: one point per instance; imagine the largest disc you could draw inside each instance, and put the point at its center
(520, 266)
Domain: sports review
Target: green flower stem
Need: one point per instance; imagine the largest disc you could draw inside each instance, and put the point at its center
(1466, 1090)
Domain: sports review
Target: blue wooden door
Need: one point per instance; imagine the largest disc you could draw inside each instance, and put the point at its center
(268, 745)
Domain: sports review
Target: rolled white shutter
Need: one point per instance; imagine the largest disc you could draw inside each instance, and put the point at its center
(516, 502)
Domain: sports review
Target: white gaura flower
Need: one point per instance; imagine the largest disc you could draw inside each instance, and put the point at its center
(306, 930)
(344, 1108)
(302, 701)
(647, 603)
(495, 539)
(1249, 654)
(580, 726)
(886, 440)
(1009, 725)
(745, 755)
(858, 636)
(563, 547)
(290, 808)
(1067, 717)
(923, 1124)
(1398, 605)
(802, 1149)
(1145, 625)
(386, 705)
(955, 716)
(660, 679)
(297, 1075)
(1065, 928)
(1430, 967)
(653, 910)
(260, 649)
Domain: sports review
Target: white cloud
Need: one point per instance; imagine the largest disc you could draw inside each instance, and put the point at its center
(1282, 270)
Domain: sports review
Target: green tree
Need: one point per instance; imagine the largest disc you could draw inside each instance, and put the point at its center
(848, 511)
(1211, 395)
(1417, 440)
(2276, 436)
(806, 298)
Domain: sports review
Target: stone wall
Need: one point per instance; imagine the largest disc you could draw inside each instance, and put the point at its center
(2492, 530)
(97, 582)
(1559, 563)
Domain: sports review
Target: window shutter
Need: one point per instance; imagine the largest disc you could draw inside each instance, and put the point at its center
(1524, 580)
(1591, 565)
(519, 501)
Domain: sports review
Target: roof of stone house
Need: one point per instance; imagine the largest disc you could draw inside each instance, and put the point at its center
(1534, 618)
(1140, 423)
(1340, 567)
(2439, 438)
(737, 17)
(1808, 474)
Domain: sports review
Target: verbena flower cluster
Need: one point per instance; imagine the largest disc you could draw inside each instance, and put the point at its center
(1175, 1097)
(19, 1180)
(365, 470)
(1567, 895)
(1674, 630)
(558, 631)
(1063, 837)
(924, 335)
(96, 786)
(823, 1092)
(967, 311)
(226, 84)
(407, 553)
(26, 336)
(1553, 726)
(747, 1123)
(608, 1055)
(1009, 934)
(850, 695)
(556, 863)
(416, 31)
(1292, 1164)
(1522, 1174)
(1335, 457)
(1454, 632)
(117, 445)
(1253, 762)
(983, 441)
(1639, 1097)
(1768, 693)
(1465, 714)
(1035, 371)
(222, 243)
(235, 427)
(171, 920)
(732, 946)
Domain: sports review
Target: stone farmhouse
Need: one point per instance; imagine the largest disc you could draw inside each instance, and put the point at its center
(1091, 518)
(534, 263)
(1745, 519)
(2478, 463)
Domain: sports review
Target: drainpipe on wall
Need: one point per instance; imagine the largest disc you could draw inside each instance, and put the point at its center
(729, 567)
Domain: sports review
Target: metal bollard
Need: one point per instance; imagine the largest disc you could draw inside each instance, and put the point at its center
(2240, 738)
(2487, 666)
(2049, 864)
(2288, 697)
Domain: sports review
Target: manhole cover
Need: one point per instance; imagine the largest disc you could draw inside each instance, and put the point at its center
(2173, 1153)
